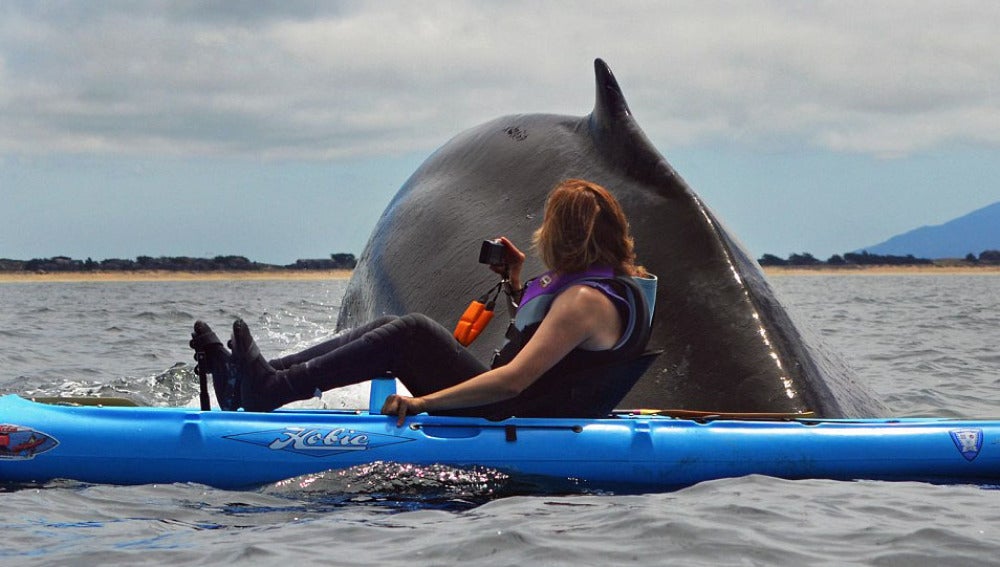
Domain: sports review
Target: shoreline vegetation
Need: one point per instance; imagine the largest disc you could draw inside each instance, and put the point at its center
(170, 276)
(865, 263)
(172, 268)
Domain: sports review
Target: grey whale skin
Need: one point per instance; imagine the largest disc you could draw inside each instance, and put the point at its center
(729, 345)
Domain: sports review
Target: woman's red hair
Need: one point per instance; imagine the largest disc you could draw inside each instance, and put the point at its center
(585, 226)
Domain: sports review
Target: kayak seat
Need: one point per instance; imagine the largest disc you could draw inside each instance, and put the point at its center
(611, 385)
(589, 393)
(603, 387)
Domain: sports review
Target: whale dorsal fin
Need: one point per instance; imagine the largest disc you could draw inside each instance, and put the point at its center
(609, 105)
(615, 131)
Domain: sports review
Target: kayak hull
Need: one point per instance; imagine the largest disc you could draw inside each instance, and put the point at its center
(143, 445)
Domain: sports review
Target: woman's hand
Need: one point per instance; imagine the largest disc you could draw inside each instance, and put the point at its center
(402, 406)
(513, 262)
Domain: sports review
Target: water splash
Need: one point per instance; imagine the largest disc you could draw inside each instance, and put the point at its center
(176, 386)
(402, 486)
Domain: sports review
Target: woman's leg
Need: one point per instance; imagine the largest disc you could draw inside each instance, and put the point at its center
(414, 348)
(217, 360)
(337, 341)
(426, 357)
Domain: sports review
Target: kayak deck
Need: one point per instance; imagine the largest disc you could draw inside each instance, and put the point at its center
(141, 445)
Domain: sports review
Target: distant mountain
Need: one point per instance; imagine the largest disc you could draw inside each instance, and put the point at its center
(972, 233)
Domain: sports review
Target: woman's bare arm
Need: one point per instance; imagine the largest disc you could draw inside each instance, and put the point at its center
(581, 316)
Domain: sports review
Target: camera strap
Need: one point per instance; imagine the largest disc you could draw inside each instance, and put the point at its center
(477, 315)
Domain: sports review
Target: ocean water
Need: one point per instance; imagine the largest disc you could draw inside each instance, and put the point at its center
(927, 345)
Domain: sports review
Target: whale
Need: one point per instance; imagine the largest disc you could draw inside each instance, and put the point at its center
(728, 344)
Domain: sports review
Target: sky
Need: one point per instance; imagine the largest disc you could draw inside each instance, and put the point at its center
(280, 130)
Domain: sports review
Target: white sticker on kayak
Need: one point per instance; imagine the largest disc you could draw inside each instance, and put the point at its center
(19, 443)
(968, 441)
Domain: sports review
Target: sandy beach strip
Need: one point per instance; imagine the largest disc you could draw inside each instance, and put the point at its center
(314, 275)
(167, 276)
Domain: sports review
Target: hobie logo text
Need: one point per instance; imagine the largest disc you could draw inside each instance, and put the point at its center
(302, 439)
(318, 441)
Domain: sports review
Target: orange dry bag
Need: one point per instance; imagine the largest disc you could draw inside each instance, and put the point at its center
(477, 315)
(473, 321)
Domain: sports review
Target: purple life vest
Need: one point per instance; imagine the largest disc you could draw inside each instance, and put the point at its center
(551, 395)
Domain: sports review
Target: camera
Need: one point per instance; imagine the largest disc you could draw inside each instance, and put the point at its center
(492, 253)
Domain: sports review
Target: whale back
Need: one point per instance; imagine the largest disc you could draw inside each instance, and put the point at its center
(729, 344)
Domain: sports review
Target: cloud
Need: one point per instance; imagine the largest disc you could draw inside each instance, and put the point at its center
(330, 81)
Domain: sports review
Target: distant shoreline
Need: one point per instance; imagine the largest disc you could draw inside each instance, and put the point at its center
(170, 275)
(877, 270)
(316, 275)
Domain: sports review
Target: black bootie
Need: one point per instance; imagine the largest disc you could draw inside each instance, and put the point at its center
(262, 387)
(214, 359)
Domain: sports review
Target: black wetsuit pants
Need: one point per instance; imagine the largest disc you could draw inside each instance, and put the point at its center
(414, 348)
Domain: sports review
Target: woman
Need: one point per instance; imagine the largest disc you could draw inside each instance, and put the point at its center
(573, 317)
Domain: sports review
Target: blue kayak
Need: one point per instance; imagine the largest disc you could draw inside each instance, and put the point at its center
(626, 451)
